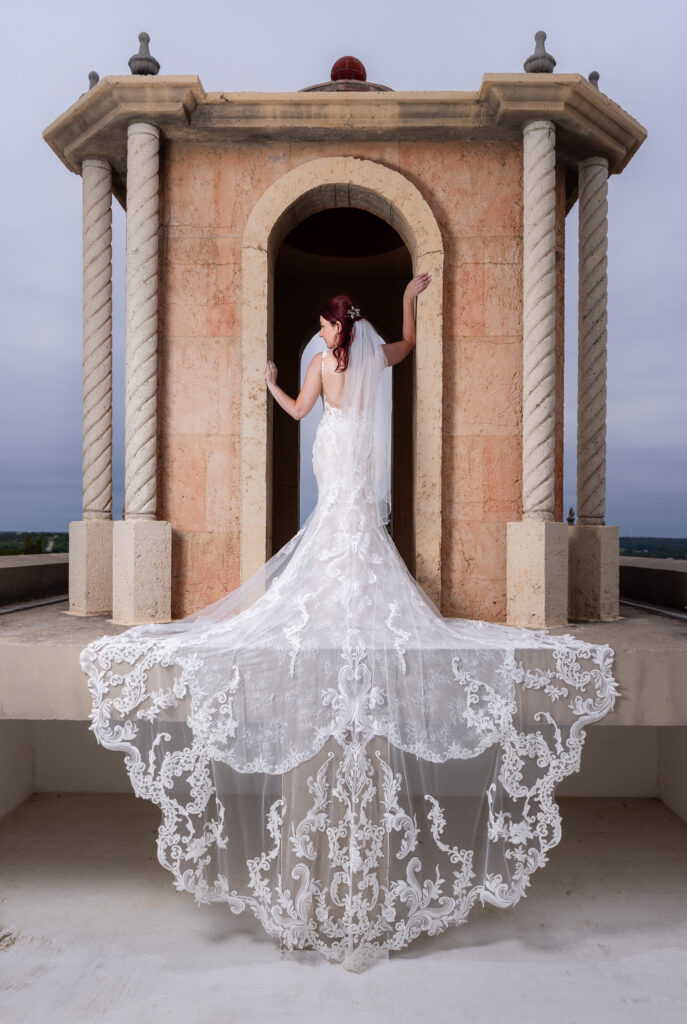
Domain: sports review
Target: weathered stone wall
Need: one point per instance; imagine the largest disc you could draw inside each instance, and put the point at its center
(199, 367)
(475, 192)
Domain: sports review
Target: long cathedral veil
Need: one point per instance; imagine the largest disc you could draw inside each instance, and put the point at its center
(329, 752)
(367, 401)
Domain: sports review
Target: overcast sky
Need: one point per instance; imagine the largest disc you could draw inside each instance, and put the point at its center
(276, 46)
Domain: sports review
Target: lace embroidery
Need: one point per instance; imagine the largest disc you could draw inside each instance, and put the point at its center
(336, 680)
(374, 914)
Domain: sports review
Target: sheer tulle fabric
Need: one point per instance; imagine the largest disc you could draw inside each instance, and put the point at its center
(326, 749)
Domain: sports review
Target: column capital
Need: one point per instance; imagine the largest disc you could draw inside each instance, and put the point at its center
(96, 161)
(143, 128)
(593, 161)
(538, 126)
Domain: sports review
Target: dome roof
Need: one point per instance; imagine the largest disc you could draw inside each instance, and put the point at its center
(348, 74)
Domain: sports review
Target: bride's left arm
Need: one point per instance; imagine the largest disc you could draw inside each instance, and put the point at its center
(301, 406)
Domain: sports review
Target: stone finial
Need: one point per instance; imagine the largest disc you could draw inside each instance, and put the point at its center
(571, 517)
(540, 61)
(142, 63)
(93, 78)
(348, 68)
(594, 78)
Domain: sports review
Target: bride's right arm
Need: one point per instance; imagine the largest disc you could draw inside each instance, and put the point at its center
(301, 406)
(395, 351)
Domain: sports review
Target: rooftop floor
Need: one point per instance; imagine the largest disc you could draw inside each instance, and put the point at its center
(91, 930)
(40, 675)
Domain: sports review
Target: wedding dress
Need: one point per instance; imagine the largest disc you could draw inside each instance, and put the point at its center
(329, 752)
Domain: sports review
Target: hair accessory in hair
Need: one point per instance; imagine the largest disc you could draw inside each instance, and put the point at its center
(353, 312)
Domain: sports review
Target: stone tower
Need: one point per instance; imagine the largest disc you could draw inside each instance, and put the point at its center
(241, 210)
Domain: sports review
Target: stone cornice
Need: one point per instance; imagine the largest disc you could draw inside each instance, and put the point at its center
(588, 122)
(96, 125)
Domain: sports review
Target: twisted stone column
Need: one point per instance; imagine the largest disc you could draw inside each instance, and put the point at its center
(592, 319)
(142, 222)
(539, 312)
(537, 547)
(97, 339)
(90, 538)
(142, 554)
(594, 562)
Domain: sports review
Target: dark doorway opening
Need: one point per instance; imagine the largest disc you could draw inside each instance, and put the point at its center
(341, 250)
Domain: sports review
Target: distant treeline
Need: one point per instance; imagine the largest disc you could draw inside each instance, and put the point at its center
(654, 547)
(23, 543)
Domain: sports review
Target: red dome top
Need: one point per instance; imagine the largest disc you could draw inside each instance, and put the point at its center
(350, 68)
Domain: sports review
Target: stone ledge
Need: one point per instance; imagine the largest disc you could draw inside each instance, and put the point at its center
(40, 675)
(588, 122)
(96, 125)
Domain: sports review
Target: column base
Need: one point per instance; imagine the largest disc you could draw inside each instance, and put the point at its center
(90, 567)
(537, 573)
(594, 571)
(141, 571)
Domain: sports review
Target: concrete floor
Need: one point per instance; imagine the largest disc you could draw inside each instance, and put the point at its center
(91, 930)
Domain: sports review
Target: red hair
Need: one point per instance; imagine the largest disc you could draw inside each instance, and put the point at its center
(337, 309)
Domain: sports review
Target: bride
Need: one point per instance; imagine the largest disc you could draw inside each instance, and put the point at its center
(327, 751)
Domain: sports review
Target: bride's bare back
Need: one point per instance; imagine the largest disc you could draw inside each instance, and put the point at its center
(332, 380)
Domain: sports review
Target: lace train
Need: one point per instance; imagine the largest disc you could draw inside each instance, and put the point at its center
(330, 753)
(388, 871)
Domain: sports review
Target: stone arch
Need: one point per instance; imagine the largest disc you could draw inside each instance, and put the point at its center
(313, 186)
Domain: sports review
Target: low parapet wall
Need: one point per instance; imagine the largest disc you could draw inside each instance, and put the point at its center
(31, 577)
(659, 581)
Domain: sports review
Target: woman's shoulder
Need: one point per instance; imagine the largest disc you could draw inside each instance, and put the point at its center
(328, 360)
(316, 361)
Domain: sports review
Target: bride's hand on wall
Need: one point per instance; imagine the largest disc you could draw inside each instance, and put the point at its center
(416, 285)
(271, 373)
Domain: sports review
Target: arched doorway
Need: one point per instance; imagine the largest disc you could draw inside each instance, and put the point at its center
(332, 251)
(313, 186)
